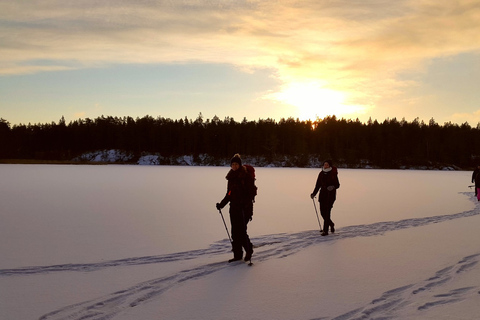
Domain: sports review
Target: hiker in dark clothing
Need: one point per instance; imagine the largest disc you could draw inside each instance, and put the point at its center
(327, 183)
(474, 179)
(240, 211)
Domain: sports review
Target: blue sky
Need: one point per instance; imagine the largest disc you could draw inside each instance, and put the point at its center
(171, 91)
(244, 59)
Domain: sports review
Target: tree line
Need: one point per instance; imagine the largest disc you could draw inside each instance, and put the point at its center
(387, 144)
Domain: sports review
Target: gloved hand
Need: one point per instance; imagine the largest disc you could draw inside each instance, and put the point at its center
(312, 196)
(330, 188)
(218, 206)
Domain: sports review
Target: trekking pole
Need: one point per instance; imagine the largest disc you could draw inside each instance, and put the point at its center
(313, 199)
(219, 210)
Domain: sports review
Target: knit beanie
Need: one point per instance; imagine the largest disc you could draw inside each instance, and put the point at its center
(236, 158)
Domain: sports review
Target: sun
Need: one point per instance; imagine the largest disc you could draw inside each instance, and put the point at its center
(312, 100)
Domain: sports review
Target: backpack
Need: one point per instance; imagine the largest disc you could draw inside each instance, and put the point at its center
(250, 183)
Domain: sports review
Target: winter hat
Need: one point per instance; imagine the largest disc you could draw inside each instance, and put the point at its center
(330, 163)
(236, 158)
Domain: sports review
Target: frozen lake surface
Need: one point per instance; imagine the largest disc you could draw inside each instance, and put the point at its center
(146, 242)
(56, 214)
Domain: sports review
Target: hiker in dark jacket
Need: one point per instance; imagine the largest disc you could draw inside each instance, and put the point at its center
(476, 179)
(239, 198)
(327, 183)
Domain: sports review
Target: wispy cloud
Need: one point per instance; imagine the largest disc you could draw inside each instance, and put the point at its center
(79, 114)
(474, 118)
(357, 48)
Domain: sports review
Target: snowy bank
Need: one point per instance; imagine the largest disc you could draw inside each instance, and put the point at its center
(303, 161)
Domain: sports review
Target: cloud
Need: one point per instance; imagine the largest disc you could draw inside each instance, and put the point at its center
(472, 118)
(341, 36)
(355, 47)
(78, 115)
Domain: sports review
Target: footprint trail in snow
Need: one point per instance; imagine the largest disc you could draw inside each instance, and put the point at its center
(269, 247)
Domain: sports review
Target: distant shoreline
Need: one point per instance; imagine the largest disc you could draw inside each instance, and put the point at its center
(96, 163)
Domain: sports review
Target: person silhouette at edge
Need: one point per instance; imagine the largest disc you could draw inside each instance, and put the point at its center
(327, 183)
(474, 179)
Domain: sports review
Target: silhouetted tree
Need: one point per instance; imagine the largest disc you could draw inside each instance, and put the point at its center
(387, 144)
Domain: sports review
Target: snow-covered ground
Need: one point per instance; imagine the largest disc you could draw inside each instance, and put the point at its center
(113, 156)
(116, 242)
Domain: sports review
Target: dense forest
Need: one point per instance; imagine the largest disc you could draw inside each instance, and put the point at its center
(387, 144)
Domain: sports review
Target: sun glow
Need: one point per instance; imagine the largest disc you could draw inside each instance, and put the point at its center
(312, 100)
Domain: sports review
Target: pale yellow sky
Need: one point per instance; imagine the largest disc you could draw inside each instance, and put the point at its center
(378, 59)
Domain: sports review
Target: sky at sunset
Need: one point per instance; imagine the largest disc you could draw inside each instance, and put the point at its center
(255, 59)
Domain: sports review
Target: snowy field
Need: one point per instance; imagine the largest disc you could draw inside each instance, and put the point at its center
(146, 242)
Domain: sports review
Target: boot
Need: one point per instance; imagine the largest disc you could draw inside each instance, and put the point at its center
(235, 259)
(248, 255)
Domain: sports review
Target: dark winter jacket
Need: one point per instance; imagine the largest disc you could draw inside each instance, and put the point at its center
(327, 179)
(476, 178)
(237, 193)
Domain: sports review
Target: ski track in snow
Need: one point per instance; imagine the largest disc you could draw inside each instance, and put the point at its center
(406, 297)
(267, 247)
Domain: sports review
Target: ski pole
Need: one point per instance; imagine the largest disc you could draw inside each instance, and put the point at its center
(219, 210)
(313, 199)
